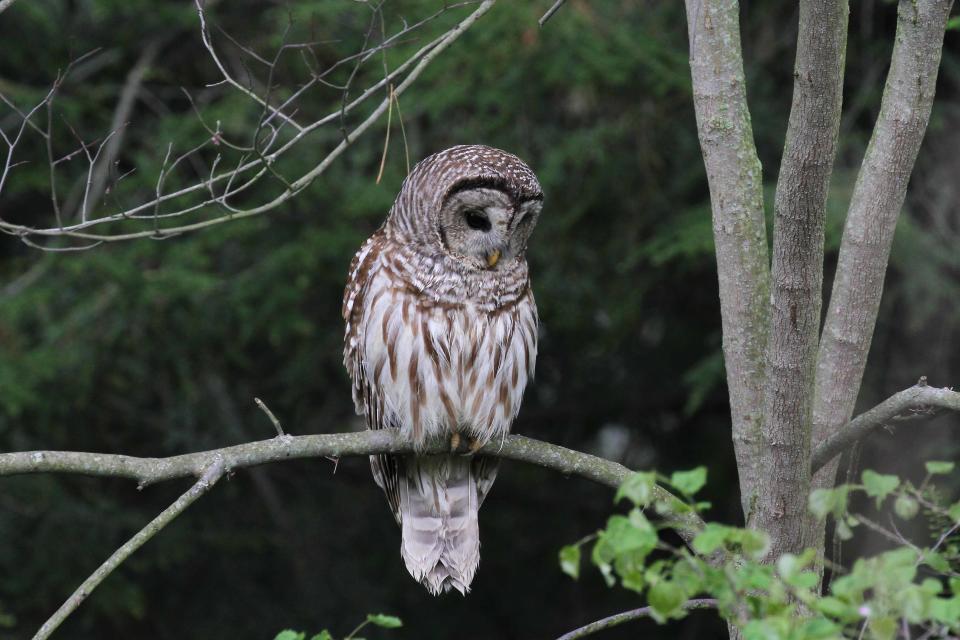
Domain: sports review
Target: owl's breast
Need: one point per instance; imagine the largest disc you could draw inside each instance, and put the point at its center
(434, 365)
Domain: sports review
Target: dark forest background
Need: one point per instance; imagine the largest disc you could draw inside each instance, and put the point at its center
(158, 348)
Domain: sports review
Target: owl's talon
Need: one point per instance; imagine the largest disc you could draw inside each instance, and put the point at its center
(466, 446)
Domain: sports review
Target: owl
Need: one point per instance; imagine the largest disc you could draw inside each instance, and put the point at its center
(440, 341)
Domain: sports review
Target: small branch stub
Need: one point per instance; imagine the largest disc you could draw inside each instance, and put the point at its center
(273, 419)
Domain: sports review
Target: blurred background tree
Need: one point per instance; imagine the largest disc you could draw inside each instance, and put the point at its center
(156, 348)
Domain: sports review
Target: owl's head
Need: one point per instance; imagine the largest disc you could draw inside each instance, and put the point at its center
(473, 203)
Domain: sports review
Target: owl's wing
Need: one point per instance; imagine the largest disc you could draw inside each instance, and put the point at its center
(366, 397)
(358, 284)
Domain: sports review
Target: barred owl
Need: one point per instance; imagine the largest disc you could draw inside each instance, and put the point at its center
(440, 341)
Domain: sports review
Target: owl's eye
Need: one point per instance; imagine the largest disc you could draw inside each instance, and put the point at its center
(477, 219)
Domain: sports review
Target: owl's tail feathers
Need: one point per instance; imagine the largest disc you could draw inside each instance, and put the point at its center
(439, 502)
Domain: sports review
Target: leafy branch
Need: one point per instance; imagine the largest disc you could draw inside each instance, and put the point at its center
(909, 586)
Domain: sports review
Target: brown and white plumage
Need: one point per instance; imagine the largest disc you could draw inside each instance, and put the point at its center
(441, 338)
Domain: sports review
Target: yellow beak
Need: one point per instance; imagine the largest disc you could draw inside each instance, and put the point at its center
(492, 258)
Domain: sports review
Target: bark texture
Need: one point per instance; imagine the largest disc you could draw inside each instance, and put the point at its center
(871, 220)
(797, 272)
(739, 230)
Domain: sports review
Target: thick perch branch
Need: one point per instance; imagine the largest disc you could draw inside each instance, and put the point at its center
(209, 478)
(360, 443)
(919, 401)
(210, 466)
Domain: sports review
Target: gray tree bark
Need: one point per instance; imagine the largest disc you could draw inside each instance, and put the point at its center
(871, 220)
(739, 228)
(797, 273)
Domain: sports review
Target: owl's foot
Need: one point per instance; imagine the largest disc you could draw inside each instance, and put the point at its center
(464, 445)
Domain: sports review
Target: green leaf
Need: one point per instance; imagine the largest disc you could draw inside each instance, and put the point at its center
(954, 512)
(769, 629)
(932, 586)
(791, 570)
(953, 24)
(570, 560)
(913, 604)
(905, 507)
(625, 535)
(711, 538)
(836, 608)
(946, 610)
(666, 600)
(689, 482)
(383, 620)
(936, 562)
(688, 576)
(602, 556)
(939, 468)
(290, 634)
(884, 628)
(788, 565)
(843, 530)
(638, 488)
(819, 629)
(826, 501)
(752, 543)
(879, 486)
(323, 635)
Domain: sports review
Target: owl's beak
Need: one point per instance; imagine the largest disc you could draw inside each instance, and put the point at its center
(493, 258)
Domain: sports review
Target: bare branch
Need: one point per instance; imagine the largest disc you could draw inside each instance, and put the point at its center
(121, 118)
(208, 43)
(636, 614)
(797, 272)
(207, 479)
(739, 230)
(248, 172)
(549, 14)
(270, 416)
(874, 208)
(147, 471)
(917, 402)
(5, 4)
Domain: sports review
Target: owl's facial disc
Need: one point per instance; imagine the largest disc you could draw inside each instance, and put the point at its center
(483, 227)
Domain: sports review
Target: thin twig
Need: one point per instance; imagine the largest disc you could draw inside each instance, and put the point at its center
(208, 44)
(549, 14)
(273, 419)
(627, 616)
(386, 139)
(409, 70)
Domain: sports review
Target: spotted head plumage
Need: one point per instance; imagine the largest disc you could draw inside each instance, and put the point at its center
(415, 215)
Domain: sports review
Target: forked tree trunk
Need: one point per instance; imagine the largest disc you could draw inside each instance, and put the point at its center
(791, 386)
